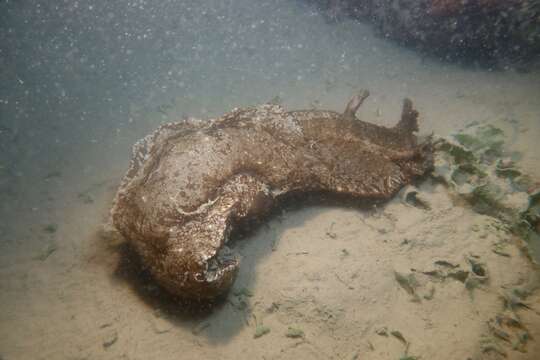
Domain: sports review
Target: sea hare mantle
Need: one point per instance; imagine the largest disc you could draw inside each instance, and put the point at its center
(191, 182)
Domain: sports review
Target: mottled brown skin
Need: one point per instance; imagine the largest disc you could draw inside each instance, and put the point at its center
(190, 183)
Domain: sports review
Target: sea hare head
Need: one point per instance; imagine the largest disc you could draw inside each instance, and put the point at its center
(191, 183)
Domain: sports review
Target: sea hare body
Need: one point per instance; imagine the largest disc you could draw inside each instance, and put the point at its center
(190, 183)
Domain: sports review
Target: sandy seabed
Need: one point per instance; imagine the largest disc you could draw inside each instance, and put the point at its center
(315, 283)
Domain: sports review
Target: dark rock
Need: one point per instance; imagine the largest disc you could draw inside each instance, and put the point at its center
(192, 182)
(497, 32)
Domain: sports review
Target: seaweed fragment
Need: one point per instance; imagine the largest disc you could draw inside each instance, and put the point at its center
(489, 346)
(294, 333)
(477, 268)
(260, 330)
(53, 174)
(506, 169)
(408, 283)
(406, 355)
(520, 342)
(510, 330)
(200, 327)
(47, 251)
(331, 234)
(276, 100)
(445, 263)
(476, 166)
(85, 197)
(499, 250)
(110, 340)
(459, 275)
(430, 294)
(515, 299)
(498, 332)
(243, 291)
(50, 228)
(415, 199)
(398, 335)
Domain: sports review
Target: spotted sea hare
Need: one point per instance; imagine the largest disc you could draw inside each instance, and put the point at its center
(190, 183)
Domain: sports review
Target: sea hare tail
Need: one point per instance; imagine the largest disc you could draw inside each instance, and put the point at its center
(409, 118)
(355, 103)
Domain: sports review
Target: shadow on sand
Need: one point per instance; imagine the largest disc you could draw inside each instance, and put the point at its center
(222, 319)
